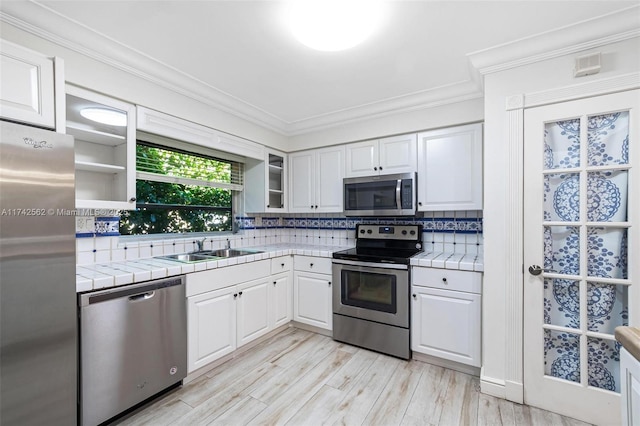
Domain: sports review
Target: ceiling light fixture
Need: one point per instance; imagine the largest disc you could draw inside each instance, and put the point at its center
(105, 116)
(332, 25)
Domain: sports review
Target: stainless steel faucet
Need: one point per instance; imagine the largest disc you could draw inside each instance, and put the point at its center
(200, 244)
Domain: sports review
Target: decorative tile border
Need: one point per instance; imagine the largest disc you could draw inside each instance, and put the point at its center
(89, 227)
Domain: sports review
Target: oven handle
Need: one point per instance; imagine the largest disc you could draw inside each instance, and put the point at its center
(398, 193)
(371, 264)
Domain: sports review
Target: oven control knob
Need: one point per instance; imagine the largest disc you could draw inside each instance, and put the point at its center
(362, 231)
(404, 232)
(369, 231)
(412, 232)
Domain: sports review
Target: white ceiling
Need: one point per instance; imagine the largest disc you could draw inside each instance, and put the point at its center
(242, 53)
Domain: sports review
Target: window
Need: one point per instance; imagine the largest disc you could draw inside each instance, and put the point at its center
(181, 191)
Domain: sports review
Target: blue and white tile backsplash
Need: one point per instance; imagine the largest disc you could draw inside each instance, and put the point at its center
(455, 232)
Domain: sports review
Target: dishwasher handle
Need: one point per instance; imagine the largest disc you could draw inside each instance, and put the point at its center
(135, 292)
(142, 296)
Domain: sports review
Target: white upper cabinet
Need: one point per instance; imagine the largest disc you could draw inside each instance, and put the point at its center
(27, 91)
(450, 169)
(315, 180)
(105, 155)
(266, 183)
(396, 154)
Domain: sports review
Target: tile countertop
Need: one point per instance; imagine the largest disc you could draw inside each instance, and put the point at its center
(104, 275)
(446, 260)
(629, 337)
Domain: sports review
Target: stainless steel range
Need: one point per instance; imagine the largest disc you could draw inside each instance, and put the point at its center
(371, 302)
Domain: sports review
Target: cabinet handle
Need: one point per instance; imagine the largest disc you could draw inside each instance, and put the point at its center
(444, 280)
(268, 206)
(132, 199)
(235, 295)
(282, 265)
(414, 296)
(375, 168)
(329, 283)
(315, 207)
(274, 283)
(311, 265)
(419, 203)
(380, 167)
(240, 293)
(311, 205)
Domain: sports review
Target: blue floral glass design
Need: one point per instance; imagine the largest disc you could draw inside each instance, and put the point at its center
(562, 355)
(606, 307)
(562, 302)
(608, 139)
(562, 249)
(561, 197)
(603, 364)
(562, 144)
(607, 252)
(607, 196)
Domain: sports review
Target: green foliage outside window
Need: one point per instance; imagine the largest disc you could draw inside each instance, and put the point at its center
(164, 207)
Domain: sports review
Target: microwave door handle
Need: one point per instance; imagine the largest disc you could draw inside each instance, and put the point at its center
(398, 193)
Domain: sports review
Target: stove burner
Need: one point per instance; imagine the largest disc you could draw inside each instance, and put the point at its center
(384, 244)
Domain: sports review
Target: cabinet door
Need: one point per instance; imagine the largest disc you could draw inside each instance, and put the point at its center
(281, 298)
(253, 310)
(362, 159)
(328, 180)
(398, 154)
(312, 299)
(26, 86)
(450, 169)
(301, 184)
(211, 326)
(446, 324)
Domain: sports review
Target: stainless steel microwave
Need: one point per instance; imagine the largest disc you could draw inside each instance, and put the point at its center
(386, 195)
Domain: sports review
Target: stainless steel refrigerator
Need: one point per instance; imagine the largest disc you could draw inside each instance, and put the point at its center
(38, 316)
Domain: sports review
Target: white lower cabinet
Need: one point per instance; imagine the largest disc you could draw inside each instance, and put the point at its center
(629, 388)
(446, 314)
(229, 307)
(312, 299)
(281, 300)
(253, 310)
(211, 326)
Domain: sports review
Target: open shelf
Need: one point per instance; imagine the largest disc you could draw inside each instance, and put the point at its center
(94, 136)
(98, 167)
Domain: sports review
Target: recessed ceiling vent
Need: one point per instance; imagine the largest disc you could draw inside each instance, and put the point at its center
(587, 65)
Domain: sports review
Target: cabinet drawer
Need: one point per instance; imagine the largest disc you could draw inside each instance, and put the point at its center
(447, 279)
(320, 265)
(280, 264)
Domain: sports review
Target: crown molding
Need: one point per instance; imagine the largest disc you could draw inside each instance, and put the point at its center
(45, 23)
(617, 26)
(39, 20)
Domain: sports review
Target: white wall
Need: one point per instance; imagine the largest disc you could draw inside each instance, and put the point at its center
(617, 59)
(100, 77)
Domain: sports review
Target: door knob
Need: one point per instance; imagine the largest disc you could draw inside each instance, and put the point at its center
(535, 270)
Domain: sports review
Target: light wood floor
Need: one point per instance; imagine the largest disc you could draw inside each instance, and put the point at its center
(302, 378)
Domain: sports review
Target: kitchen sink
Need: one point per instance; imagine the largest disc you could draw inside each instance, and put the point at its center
(188, 258)
(226, 252)
(203, 256)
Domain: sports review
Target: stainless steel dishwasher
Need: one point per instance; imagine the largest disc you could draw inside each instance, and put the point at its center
(133, 345)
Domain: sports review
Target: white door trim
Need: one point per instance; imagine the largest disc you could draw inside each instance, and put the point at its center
(514, 267)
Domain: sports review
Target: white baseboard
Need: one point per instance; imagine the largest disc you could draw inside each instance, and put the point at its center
(514, 391)
(492, 386)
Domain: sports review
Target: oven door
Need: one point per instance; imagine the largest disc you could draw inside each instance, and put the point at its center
(371, 291)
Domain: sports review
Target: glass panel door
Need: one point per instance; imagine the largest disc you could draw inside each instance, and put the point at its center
(578, 236)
